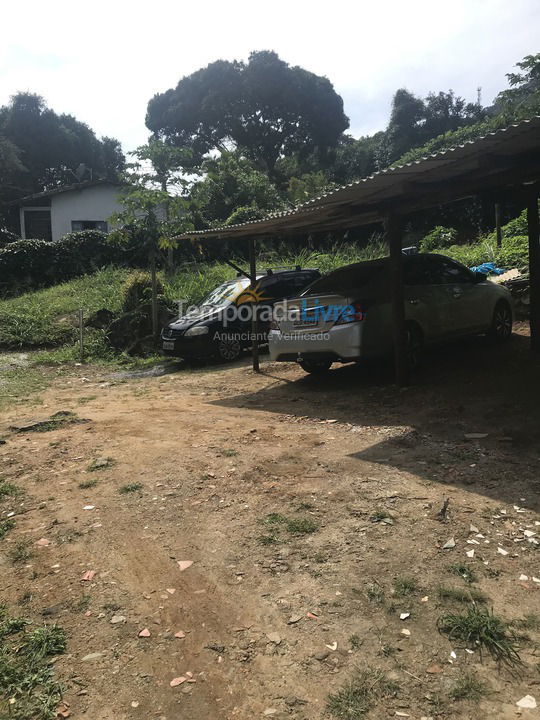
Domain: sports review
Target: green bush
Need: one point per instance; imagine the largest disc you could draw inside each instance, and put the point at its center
(514, 252)
(439, 237)
(29, 264)
(137, 291)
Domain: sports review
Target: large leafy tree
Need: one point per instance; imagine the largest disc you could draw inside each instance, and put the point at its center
(522, 99)
(232, 191)
(51, 147)
(264, 108)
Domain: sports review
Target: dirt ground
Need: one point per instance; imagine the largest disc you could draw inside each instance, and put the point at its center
(235, 469)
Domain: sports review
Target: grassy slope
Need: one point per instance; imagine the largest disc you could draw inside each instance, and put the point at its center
(47, 318)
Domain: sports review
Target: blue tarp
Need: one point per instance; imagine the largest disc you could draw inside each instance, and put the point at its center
(488, 268)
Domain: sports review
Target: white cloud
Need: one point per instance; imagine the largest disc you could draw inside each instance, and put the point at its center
(102, 61)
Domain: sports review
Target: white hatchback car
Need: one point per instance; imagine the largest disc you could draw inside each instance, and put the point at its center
(346, 315)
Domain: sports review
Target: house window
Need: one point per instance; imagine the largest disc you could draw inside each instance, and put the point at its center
(78, 225)
(37, 224)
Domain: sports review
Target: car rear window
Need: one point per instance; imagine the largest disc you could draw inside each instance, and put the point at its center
(348, 279)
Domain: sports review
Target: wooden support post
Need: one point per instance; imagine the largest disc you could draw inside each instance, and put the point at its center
(394, 237)
(498, 229)
(254, 320)
(533, 226)
(155, 307)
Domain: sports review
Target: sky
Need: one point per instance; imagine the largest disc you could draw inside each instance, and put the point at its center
(103, 61)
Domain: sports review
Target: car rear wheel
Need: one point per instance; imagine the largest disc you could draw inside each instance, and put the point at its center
(228, 348)
(501, 325)
(316, 367)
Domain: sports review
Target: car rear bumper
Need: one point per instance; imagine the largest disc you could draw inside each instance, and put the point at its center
(341, 343)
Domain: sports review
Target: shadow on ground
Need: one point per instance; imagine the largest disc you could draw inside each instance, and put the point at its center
(470, 387)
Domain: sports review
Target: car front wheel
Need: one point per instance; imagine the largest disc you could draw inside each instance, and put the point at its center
(228, 348)
(501, 325)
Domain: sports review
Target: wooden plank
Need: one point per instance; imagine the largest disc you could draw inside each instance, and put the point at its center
(394, 234)
(533, 226)
(254, 319)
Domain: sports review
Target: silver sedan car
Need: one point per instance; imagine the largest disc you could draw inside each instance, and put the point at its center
(346, 315)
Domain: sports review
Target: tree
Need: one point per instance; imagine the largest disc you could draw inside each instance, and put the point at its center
(263, 108)
(51, 147)
(231, 183)
(522, 99)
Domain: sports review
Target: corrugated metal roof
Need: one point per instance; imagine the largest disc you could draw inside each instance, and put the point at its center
(363, 198)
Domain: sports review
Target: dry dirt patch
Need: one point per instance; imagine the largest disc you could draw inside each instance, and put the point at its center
(308, 511)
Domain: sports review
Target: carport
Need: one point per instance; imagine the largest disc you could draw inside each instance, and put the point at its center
(502, 164)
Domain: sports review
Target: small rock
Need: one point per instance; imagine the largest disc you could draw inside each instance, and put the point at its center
(320, 656)
(274, 637)
(434, 669)
(92, 656)
(43, 542)
(269, 711)
(116, 619)
(449, 544)
(294, 619)
(502, 551)
(404, 616)
(180, 634)
(332, 646)
(145, 633)
(177, 681)
(184, 564)
(527, 702)
(406, 632)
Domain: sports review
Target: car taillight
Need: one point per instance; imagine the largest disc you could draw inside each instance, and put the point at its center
(355, 312)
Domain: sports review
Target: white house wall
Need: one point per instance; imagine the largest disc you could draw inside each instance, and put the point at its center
(90, 203)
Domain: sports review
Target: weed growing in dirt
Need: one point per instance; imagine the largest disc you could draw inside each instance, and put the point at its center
(463, 571)
(461, 594)
(527, 622)
(480, 627)
(88, 484)
(100, 464)
(6, 526)
(375, 594)
(305, 506)
(381, 516)
(467, 687)
(295, 526)
(47, 640)
(360, 694)
(28, 688)
(228, 452)
(274, 519)
(20, 552)
(83, 603)
(404, 586)
(8, 490)
(130, 488)
(301, 526)
(355, 641)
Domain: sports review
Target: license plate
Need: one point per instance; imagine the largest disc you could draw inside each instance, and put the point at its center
(168, 344)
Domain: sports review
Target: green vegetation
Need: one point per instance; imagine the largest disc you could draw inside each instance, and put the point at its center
(130, 488)
(467, 687)
(464, 595)
(375, 594)
(6, 526)
(404, 586)
(463, 571)
(87, 484)
(277, 522)
(360, 694)
(28, 688)
(8, 490)
(20, 553)
(480, 627)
